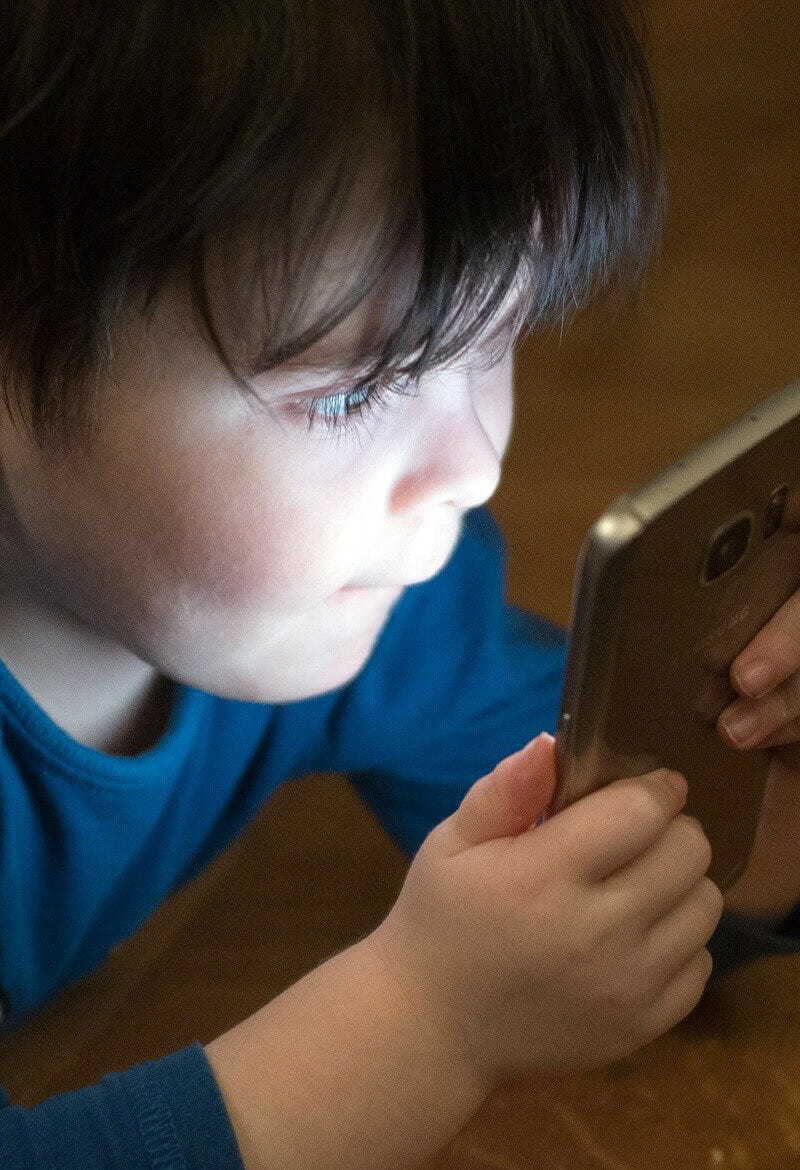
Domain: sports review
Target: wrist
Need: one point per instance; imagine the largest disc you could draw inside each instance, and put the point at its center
(342, 1070)
(416, 1004)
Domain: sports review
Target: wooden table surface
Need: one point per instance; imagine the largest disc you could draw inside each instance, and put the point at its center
(716, 330)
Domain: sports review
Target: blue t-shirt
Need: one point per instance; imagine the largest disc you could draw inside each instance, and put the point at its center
(91, 844)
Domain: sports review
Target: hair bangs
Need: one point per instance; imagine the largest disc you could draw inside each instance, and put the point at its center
(532, 159)
(507, 149)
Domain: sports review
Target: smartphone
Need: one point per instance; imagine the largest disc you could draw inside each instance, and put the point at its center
(673, 581)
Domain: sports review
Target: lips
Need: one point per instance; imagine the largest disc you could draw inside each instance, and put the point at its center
(398, 588)
(365, 591)
(369, 588)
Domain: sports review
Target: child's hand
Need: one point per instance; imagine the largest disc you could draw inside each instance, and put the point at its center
(770, 697)
(530, 948)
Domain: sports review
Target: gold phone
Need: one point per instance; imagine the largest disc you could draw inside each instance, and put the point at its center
(672, 582)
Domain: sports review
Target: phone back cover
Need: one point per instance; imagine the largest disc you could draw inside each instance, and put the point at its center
(654, 677)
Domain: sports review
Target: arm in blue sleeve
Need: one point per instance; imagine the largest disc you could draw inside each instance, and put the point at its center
(165, 1114)
(460, 680)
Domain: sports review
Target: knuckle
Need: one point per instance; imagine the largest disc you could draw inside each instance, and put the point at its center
(695, 992)
(649, 976)
(694, 981)
(642, 805)
(786, 699)
(695, 839)
(586, 941)
(708, 964)
(434, 842)
(702, 973)
(587, 931)
(715, 899)
(617, 998)
(579, 955)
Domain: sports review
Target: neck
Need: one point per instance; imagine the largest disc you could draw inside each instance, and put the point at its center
(97, 691)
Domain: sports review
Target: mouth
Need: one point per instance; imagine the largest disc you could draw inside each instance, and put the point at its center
(367, 593)
(393, 592)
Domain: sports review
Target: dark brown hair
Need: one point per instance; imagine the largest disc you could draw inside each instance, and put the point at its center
(508, 142)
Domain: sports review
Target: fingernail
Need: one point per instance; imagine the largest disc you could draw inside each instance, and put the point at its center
(741, 727)
(543, 735)
(754, 677)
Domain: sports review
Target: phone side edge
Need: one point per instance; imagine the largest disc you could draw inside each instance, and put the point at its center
(605, 543)
(715, 452)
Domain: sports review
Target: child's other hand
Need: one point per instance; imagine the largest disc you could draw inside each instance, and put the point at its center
(558, 947)
(767, 677)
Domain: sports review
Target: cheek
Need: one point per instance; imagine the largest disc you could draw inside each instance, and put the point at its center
(215, 518)
(494, 393)
(506, 407)
(261, 555)
(501, 422)
(244, 540)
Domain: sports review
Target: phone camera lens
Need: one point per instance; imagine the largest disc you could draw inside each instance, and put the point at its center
(775, 512)
(728, 547)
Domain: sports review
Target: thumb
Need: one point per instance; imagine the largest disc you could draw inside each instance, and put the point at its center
(509, 799)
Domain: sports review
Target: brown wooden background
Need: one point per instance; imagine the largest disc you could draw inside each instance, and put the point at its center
(717, 330)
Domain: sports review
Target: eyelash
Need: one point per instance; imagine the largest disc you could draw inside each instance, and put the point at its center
(375, 396)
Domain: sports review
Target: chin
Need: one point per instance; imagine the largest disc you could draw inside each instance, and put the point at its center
(325, 673)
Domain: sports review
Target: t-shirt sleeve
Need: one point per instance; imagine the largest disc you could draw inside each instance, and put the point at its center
(459, 680)
(165, 1114)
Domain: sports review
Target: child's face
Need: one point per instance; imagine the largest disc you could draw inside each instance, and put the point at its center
(213, 540)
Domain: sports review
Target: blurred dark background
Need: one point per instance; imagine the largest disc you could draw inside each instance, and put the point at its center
(600, 409)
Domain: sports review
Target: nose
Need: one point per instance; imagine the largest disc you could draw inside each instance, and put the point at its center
(456, 457)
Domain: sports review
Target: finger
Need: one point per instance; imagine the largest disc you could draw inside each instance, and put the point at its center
(682, 994)
(788, 758)
(746, 723)
(788, 734)
(505, 801)
(608, 828)
(661, 878)
(672, 941)
(777, 645)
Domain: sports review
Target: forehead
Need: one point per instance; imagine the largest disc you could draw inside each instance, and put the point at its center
(271, 316)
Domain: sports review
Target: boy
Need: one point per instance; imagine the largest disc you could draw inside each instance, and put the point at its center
(210, 585)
